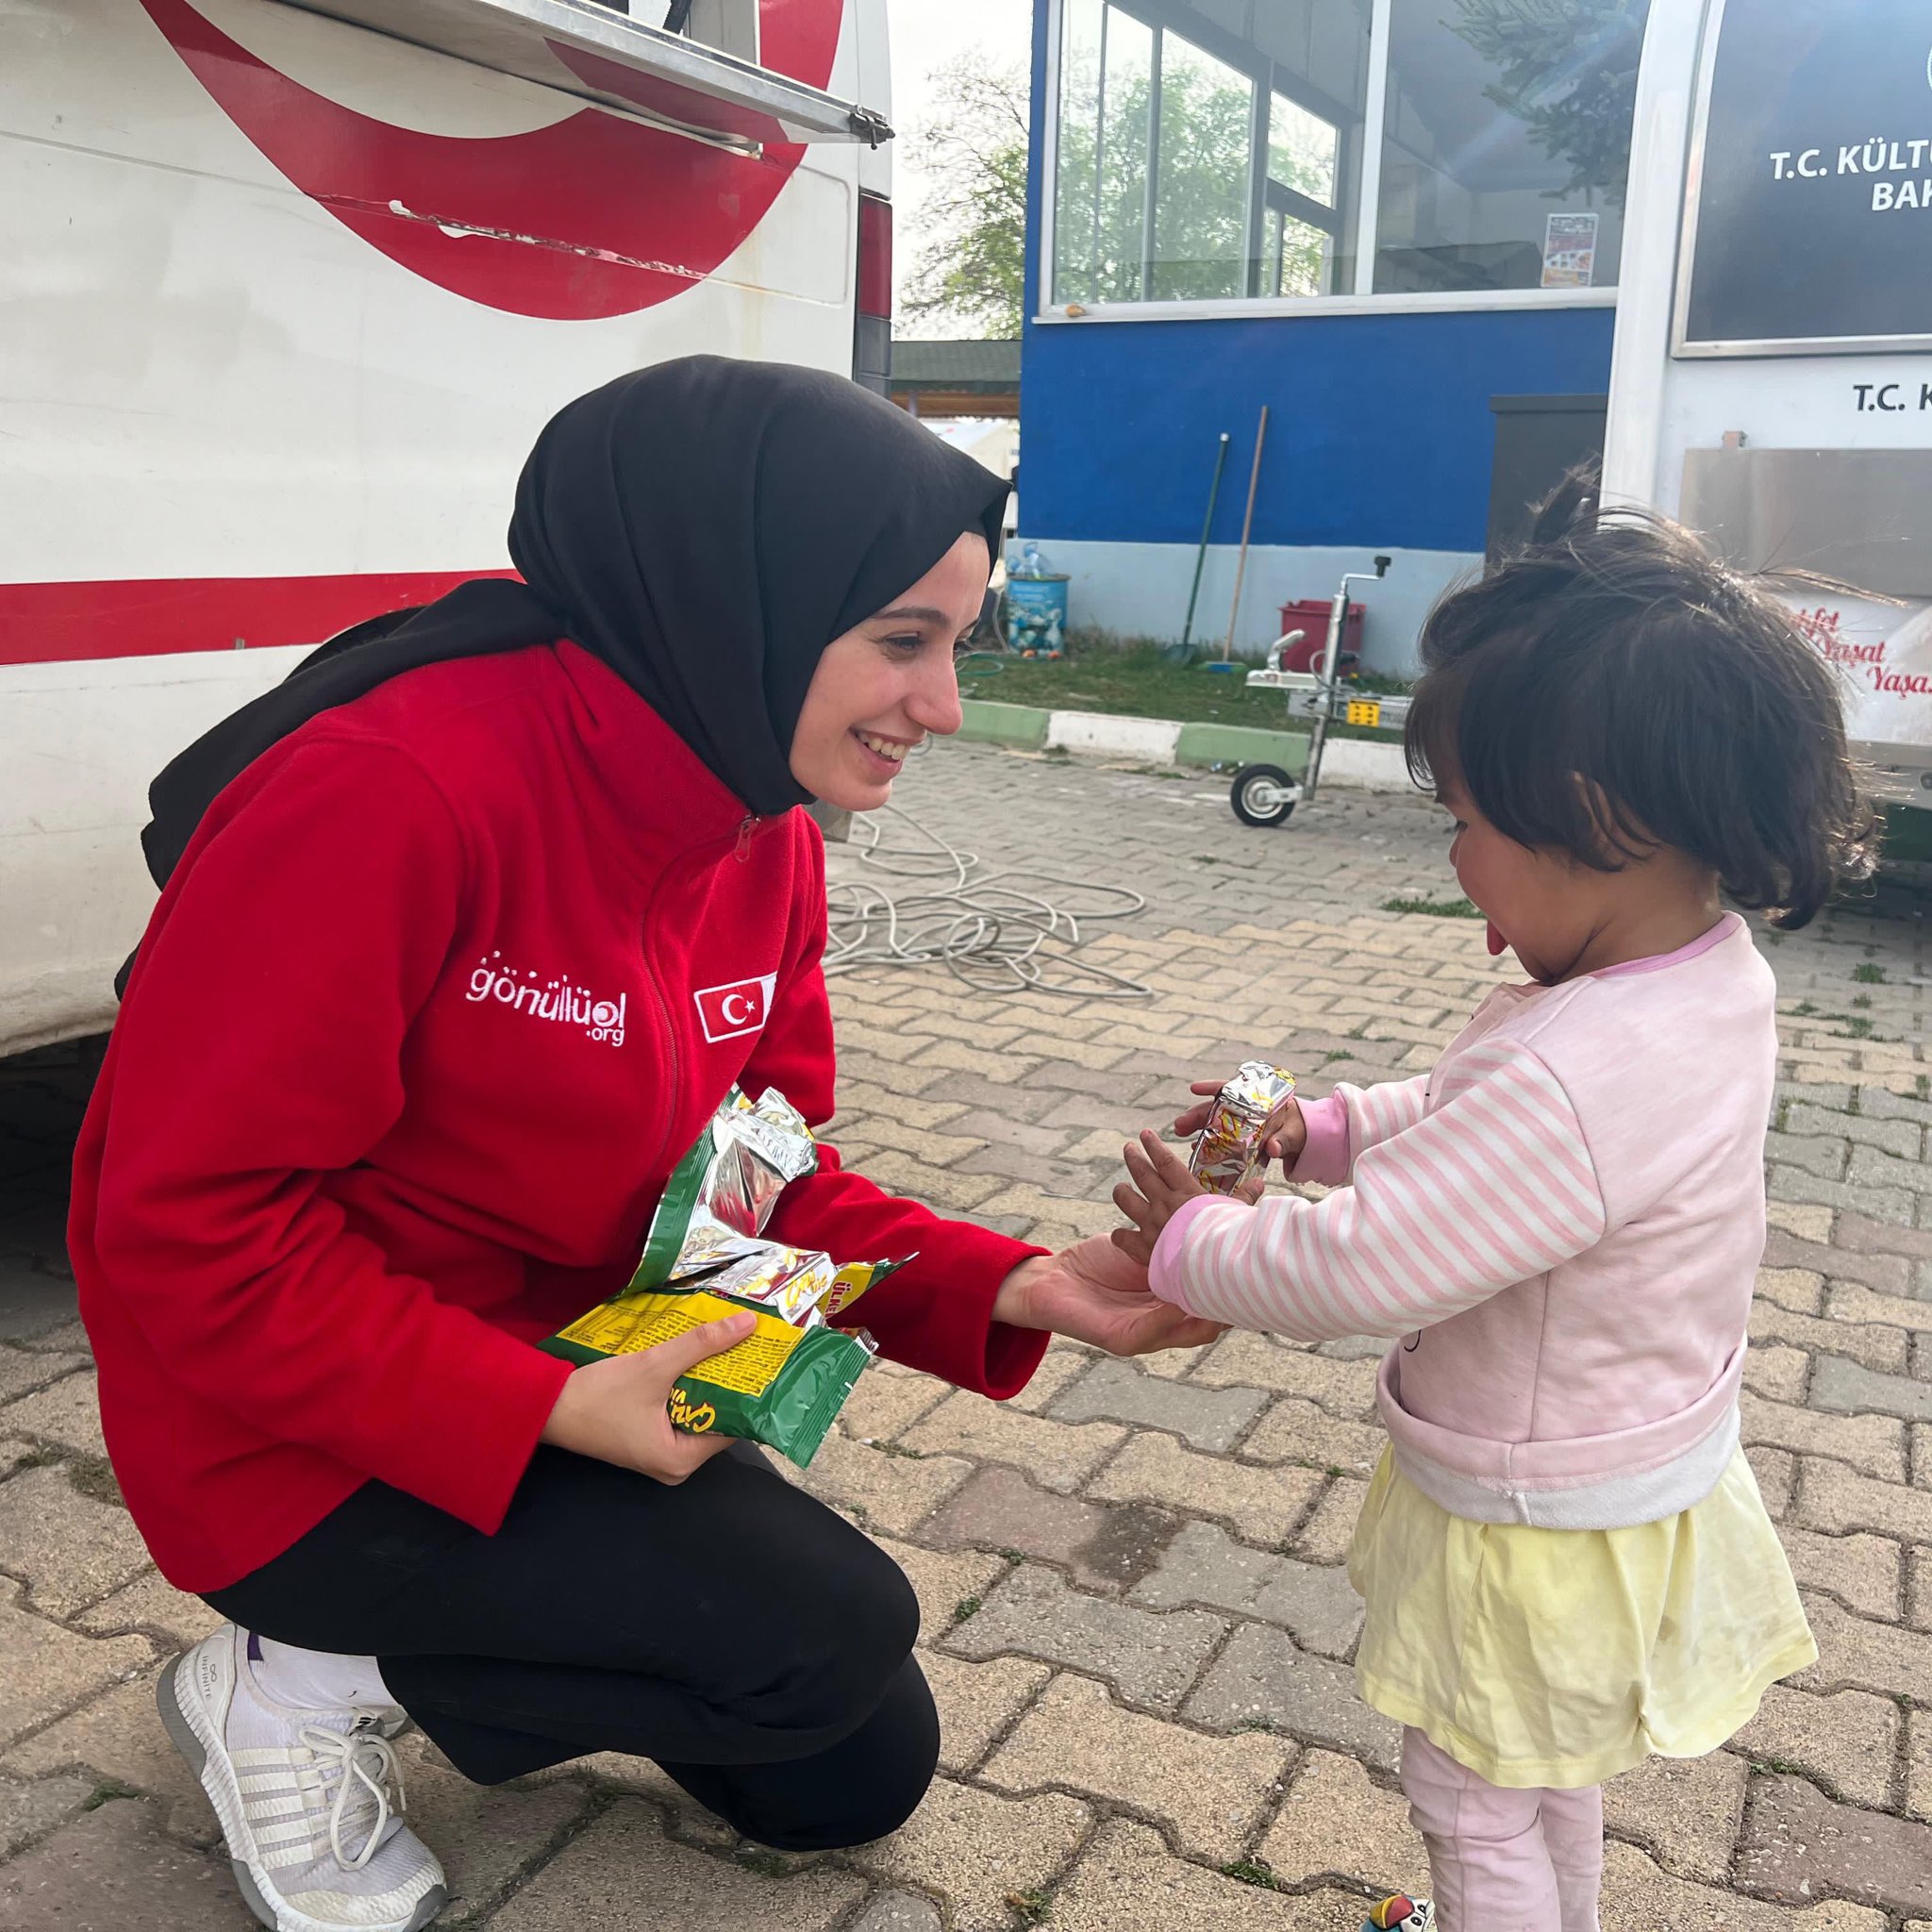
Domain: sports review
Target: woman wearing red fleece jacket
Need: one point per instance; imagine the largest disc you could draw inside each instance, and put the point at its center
(466, 930)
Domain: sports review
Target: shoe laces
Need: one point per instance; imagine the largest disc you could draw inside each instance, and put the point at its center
(364, 1765)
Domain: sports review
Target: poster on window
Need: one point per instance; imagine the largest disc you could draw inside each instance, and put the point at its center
(1813, 201)
(1570, 251)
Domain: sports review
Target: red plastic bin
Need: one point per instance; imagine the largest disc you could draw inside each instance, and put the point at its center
(1311, 616)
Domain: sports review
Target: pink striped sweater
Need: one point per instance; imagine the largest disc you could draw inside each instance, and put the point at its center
(1559, 1226)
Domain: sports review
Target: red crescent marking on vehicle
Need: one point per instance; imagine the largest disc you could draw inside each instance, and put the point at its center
(591, 216)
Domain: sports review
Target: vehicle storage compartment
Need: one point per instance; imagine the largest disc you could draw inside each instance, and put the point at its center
(606, 55)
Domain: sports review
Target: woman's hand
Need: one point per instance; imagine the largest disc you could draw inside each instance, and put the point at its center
(1093, 1292)
(1282, 1138)
(614, 1410)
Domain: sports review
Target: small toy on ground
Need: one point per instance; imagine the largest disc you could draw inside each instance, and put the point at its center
(1400, 1914)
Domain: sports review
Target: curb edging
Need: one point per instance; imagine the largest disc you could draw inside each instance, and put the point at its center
(1166, 742)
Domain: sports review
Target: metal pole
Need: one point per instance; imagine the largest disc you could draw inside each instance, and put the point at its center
(1206, 524)
(1368, 205)
(1331, 671)
(1241, 568)
(1094, 291)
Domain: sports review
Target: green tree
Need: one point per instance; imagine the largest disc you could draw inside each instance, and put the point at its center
(1567, 70)
(970, 257)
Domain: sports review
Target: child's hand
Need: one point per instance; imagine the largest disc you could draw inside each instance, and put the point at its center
(1282, 1140)
(1161, 1186)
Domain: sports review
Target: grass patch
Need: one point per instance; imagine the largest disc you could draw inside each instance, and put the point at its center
(766, 1864)
(1435, 908)
(1136, 681)
(93, 1475)
(1858, 1027)
(106, 1791)
(1862, 999)
(1032, 1907)
(966, 1606)
(1251, 1871)
(1868, 975)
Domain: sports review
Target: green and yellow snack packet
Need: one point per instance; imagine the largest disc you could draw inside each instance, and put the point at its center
(781, 1386)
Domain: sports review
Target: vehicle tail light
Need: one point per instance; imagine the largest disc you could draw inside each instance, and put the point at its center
(871, 327)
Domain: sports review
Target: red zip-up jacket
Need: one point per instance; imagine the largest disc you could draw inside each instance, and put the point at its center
(445, 984)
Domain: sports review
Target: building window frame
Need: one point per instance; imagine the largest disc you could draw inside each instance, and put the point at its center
(1360, 231)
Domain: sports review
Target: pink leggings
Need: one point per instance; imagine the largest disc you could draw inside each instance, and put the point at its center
(1503, 1860)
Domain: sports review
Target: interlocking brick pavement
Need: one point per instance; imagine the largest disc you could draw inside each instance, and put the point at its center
(1135, 1621)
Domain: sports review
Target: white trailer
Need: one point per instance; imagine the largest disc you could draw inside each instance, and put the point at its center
(288, 287)
(1771, 379)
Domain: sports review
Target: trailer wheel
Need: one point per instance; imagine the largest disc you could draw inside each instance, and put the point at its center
(1264, 796)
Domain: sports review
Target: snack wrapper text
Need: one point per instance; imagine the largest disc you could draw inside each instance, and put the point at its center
(781, 1386)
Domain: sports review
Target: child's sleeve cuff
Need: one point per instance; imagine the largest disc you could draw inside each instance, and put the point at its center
(1325, 1155)
(1164, 1270)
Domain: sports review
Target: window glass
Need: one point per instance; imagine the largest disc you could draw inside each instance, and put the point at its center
(1506, 143)
(1302, 150)
(1248, 115)
(1210, 150)
(1099, 202)
(1206, 139)
(1304, 254)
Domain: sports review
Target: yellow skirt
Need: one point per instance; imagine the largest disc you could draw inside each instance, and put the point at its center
(1559, 1658)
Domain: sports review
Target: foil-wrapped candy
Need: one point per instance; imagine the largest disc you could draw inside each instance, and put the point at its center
(726, 1186)
(707, 1234)
(1227, 1151)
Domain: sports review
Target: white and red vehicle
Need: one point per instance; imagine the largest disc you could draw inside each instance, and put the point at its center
(1771, 379)
(288, 287)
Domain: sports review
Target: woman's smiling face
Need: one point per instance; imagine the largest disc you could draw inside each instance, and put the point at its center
(887, 683)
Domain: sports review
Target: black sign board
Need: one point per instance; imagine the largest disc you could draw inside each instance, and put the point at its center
(1812, 225)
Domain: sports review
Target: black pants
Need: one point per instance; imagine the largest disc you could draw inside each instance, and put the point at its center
(732, 1629)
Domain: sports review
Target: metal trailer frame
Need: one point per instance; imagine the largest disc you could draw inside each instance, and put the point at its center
(1265, 794)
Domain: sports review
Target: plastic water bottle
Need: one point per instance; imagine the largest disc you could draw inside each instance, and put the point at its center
(1031, 564)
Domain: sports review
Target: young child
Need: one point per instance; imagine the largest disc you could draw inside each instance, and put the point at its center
(1565, 1558)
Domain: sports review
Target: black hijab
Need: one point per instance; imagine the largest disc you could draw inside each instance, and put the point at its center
(706, 527)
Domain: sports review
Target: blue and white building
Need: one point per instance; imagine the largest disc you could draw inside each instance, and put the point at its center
(1397, 222)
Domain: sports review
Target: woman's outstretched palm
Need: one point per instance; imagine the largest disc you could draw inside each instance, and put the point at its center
(1093, 1292)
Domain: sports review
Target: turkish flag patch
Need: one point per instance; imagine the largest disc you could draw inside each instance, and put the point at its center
(726, 1012)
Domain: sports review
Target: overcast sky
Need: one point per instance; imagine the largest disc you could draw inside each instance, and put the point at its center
(925, 34)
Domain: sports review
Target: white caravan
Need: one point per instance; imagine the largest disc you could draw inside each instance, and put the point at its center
(287, 288)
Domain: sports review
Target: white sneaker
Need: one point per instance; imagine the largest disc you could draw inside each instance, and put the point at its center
(304, 1797)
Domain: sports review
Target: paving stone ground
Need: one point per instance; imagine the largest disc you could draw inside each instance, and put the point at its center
(1135, 1621)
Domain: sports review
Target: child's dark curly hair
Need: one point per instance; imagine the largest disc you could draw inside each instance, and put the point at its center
(1613, 689)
